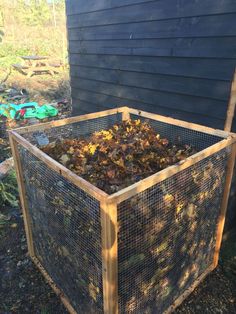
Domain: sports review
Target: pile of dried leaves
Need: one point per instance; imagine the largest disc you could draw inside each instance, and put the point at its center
(116, 158)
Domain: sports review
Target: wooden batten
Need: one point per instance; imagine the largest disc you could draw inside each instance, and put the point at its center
(109, 257)
(22, 193)
(63, 298)
(223, 209)
(187, 125)
(188, 291)
(58, 123)
(125, 114)
(231, 106)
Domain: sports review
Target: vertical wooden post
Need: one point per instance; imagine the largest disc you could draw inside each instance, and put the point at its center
(223, 209)
(22, 194)
(109, 257)
(125, 114)
(231, 106)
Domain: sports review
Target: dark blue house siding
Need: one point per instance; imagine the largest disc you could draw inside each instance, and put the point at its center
(172, 57)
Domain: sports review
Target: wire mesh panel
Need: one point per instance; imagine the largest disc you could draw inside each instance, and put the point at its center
(66, 233)
(166, 233)
(179, 134)
(166, 236)
(75, 130)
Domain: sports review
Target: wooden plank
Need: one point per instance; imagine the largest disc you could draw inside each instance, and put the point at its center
(58, 123)
(223, 209)
(88, 101)
(109, 256)
(192, 104)
(199, 87)
(58, 292)
(231, 106)
(160, 10)
(59, 168)
(201, 26)
(213, 47)
(22, 193)
(81, 6)
(181, 123)
(126, 115)
(188, 291)
(144, 184)
(85, 102)
(207, 68)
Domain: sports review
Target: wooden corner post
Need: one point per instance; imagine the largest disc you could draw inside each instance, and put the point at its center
(109, 256)
(22, 193)
(231, 106)
(224, 203)
(125, 114)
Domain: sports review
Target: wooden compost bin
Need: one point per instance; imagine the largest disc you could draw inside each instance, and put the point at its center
(140, 250)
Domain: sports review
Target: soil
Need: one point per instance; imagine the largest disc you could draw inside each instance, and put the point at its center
(24, 290)
(42, 89)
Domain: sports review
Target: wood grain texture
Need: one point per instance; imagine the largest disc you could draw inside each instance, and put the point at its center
(110, 256)
(151, 10)
(187, 103)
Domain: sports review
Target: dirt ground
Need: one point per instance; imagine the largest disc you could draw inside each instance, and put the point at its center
(22, 287)
(43, 89)
(24, 290)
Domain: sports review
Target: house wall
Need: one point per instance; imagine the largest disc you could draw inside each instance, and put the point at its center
(172, 57)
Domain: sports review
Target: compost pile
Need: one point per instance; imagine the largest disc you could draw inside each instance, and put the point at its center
(116, 158)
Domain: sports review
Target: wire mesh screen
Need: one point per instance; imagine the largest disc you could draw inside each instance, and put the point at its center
(166, 236)
(180, 134)
(74, 130)
(66, 233)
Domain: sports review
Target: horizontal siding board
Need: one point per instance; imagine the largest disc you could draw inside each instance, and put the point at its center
(204, 26)
(188, 67)
(166, 83)
(154, 10)
(181, 47)
(81, 6)
(93, 102)
(186, 103)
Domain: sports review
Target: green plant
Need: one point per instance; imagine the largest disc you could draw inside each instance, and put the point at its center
(9, 190)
